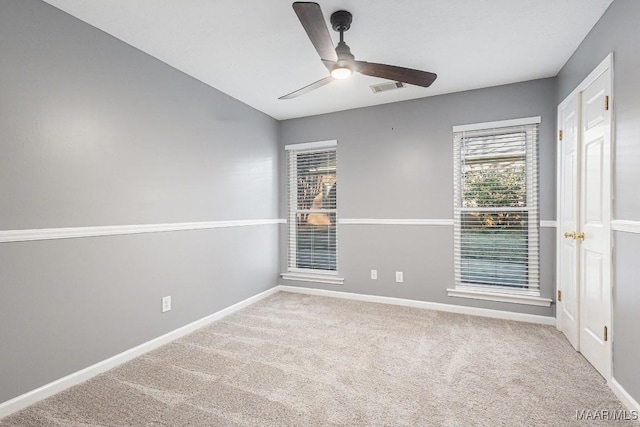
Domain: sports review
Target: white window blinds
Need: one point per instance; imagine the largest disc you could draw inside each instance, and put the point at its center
(313, 238)
(496, 231)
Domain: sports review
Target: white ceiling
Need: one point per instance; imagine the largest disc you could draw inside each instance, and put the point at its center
(257, 50)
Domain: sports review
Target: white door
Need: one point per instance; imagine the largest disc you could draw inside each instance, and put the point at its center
(594, 239)
(568, 222)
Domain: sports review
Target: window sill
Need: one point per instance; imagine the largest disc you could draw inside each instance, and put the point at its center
(318, 278)
(500, 297)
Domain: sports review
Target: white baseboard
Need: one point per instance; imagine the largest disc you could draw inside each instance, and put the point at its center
(484, 312)
(16, 404)
(624, 396)
(47, 390)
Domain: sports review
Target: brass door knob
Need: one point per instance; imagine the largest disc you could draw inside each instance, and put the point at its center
(569, 235)
(578, 236)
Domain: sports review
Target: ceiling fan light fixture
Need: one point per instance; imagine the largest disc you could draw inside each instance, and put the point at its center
(341, 72)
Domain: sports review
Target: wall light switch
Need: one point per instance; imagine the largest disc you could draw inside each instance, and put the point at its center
(374, 274)
(399, 277)
(166, 304)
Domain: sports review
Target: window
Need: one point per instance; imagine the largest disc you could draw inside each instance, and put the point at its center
(496, 227)
(312, 219)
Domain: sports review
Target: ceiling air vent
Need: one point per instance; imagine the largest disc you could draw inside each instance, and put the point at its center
(387, 86)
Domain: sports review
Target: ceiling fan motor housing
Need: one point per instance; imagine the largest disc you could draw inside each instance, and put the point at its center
(341, 20)
(344, 53)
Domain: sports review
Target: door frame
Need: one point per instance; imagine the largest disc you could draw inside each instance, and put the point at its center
(606, 64)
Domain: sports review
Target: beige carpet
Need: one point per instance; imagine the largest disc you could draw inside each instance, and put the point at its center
(297, 360)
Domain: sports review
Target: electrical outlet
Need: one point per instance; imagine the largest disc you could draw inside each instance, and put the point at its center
(374, 274)
(166, 304)
(399, 277)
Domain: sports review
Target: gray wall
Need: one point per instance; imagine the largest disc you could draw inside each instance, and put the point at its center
(396, 161)
(626, 342)
(94, 132)
(617, 31)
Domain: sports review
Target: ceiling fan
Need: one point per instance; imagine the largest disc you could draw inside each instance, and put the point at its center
(339, 61)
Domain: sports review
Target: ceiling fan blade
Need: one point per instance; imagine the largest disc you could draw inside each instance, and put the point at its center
(399, 74)
(311, 18)
(308, 88)
(329, 64)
